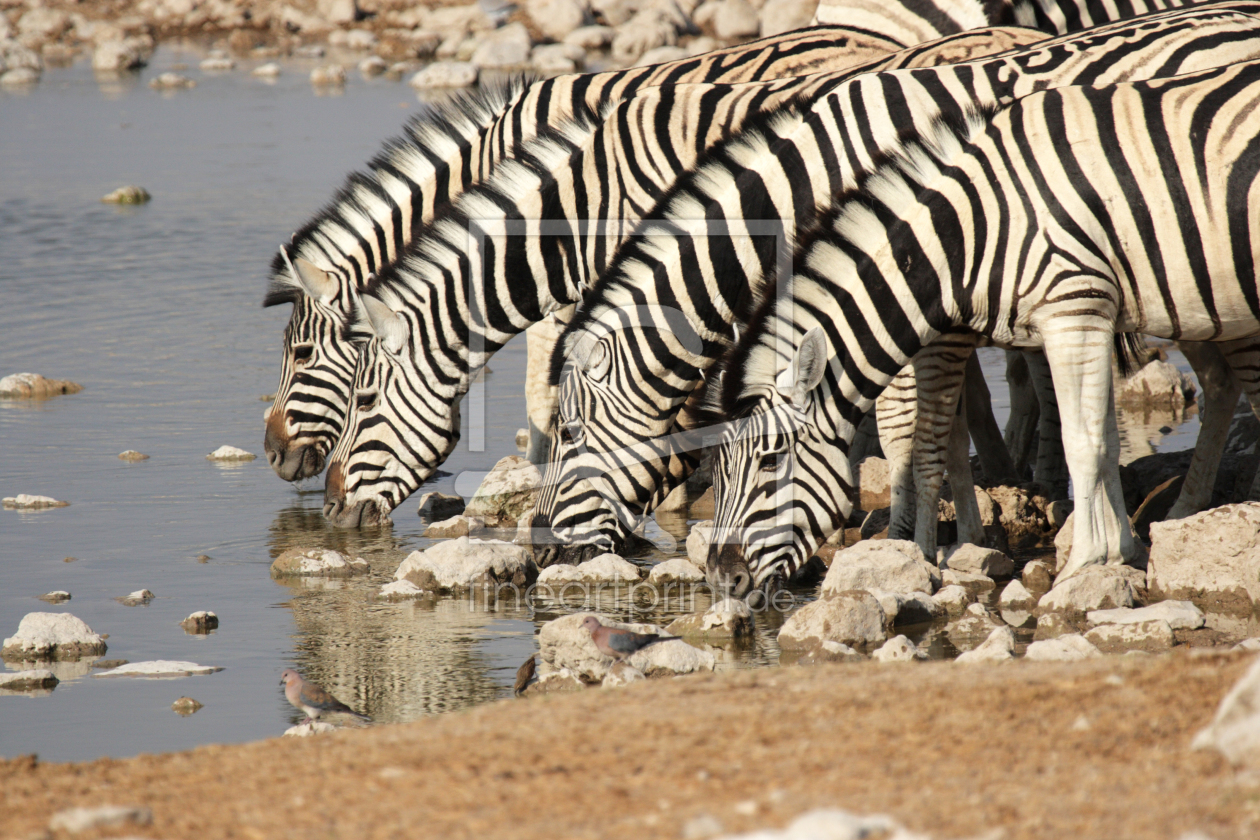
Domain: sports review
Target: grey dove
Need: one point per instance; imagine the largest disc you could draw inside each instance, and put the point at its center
(312, 699)
(615, 642)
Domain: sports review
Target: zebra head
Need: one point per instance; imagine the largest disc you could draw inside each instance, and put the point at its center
(616, 450)
(316, 372)
(403, 420)
(780, 484)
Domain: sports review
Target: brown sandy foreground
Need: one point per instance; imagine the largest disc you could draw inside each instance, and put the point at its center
(1095, 749)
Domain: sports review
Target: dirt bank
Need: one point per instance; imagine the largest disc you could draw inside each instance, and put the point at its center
(1085, 750)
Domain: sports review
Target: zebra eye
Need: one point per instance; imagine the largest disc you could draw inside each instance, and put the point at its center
(302, 354)
(771, 461)
(571, 433)
(365, 400)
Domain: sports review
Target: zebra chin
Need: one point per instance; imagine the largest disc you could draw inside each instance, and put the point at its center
(365, 513)
(291, 459)
(550, 551)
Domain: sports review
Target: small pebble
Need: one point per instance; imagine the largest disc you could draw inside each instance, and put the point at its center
(230, 453)
(333, 74)
(24, 501)
(311, 51)
(200, 623)
(138, 598)
(128, 195)
(57, 597)
(217, 64)
(203, 558)
(133, 455)
(269, 71)
(186, 706)
(71, 560)
(171, 81)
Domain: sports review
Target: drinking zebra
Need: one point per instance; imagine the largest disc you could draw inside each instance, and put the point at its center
(1071, 215)
(631, 376)
(546, 225)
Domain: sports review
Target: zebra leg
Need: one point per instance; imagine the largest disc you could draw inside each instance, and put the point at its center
(995, 458)
(1079, 354)
(1052, 468)
(896, 415)
(939, 370)
(961, 481)
(1220, 395)
(1025, 411)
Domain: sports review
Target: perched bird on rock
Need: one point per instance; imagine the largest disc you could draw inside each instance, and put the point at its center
(524, 674)
(615, 642)
(310, 698)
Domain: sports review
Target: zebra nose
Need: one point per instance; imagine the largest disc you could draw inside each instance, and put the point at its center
(335, 485)
(727, 570)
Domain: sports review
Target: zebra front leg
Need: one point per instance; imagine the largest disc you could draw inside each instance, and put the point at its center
(1025, 411)
(1052, 469)
(1079, 354)
(896, 414)
(1220, 395)
(939, 370)
(1244, 361)
(995, 458)
(961, 481)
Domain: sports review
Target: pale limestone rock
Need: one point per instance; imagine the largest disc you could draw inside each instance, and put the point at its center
(976, 560)
(171, 81)
(778, 16)
(698, 543)
(563, 58)
(185, 706)
(1235, 731)
(508, 492)
(230, 453)
(1054, 625)
(675, 570)
(907, 608)
(32, 680)
(138, 598)
(1180, 615)
(979, 586)
(563, 644)
(1063, 649)
(831, 652)
(462, 564)
(399, 590)
(1211, 558)
(621, 674)
(132, 455)
(337, 11)
(604, 568)
(726, 621)
(19, 77)
(44, 23)
(891, 565)
(80, 820)
(556, 18)
(116, 56)
(373, 66)
(671, 657)
(590, 37)
(952, 599)
(55, 597)
(24, 501)
(645, 31)
(898, 649)
(267, 71)
(735, 19)
(874, 484)
(1037, 577)
(200, 622)
(317, 562)
(330, 75)
(1092, 588)
(1154, 636)
(52, 636)
(457, 526)
(503, 48)
(436, 505)
(851, 617)
(998, 647)
(661, 55)
(554, 682)
(160, 668)
(306, 730)
(1158, 385)
(219, 64)
(522, 439)
(976, 623)
(1016, 597)
(1023, 516)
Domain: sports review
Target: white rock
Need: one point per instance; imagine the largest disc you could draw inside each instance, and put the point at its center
(129, 194)
(778, 16)
(79, 820)
(890, 565)
(372, 66)
(159, 668)
(670, 657)
(1235, 730)
(556, 18)
(661, 55)
(137, 598)
(23, 501)
(976, 560)
(337, 11)
(57, 596)
(563, 644)
(976, 622)
(333, 75)
(1157, 384)
(735, 19)
(641, 33)
(230, 453)
(456, 526)
(725, 621)
(359, 39)
(399, 590)
(978, 585)
(1016, 597)
(562, 58)
(504, 48)
(1180, 615)
(1252, 644)
(623, 673)
(52, 636)
(898, 649)
(306, 730)
(1211, 558)
(436, 505)
(698, 541)
(32, 680)
(462, 564)
(1066, 648)
(32, 385)
(605, 568)
(999, 647)
(522, 439)
(217, 65)
(953, 599)
(1153, 636)
(132, 455)
(267, 71)
(445, 74)
(317, 562)
(853, 618)
(675, 570)
(508, 492)
(200, 622)
(1092, 588)
(43, 22)
(18, 77)
(114, 56)
(874, 487)
(590, 37)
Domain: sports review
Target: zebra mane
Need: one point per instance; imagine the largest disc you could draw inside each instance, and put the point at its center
(676, 209)
(438, 131)
(746, 374)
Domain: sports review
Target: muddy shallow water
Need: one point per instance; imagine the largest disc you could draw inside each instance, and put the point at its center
(156, 311)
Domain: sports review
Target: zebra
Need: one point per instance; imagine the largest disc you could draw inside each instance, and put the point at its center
(609, 435)
(443, 152)
(1134, 215)
(538, 254)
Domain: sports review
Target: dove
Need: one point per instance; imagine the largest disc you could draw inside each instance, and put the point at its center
(615, 642)
(524, 674)
(310, 698)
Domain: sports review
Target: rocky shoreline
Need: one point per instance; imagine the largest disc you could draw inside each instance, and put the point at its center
(439, 45)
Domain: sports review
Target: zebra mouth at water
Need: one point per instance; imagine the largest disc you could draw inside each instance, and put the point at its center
(367, 513)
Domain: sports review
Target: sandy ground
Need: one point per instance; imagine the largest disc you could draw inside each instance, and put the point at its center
(1095, 749)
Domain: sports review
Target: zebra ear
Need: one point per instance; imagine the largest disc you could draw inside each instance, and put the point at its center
(386, 323)
(806, 370)
(316, 282)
